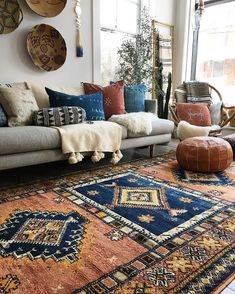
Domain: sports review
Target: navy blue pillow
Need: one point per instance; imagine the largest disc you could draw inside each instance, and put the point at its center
(92, 103)
(3, 118)
(134, 98)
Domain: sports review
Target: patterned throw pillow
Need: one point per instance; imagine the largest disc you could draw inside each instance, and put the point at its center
(19, 106)
(198, 92)
(92, 104)
(59, 116)
(195, 114)
(134, 98)
(181, 94)
(113, 97)
(3, 118)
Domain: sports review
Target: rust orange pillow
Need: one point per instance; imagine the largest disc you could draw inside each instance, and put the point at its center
(195, 114)
(113, 97)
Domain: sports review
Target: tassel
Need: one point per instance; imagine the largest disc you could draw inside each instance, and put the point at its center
(79, 48)
(95, 157)
(119, 154)
(72, 158)
(102, 155)
(116, 157)
(79, 156)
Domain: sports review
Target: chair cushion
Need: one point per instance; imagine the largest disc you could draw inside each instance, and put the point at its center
(198, 92)
(92, 104)
(28, 138)
(180, 94)
(195, 114)
(113, 97)
(159, 127)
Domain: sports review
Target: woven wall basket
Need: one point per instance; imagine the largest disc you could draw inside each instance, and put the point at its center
(10, 16)
(47, 8)
(46, 47)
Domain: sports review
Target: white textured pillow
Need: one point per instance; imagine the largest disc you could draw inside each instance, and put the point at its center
(19, 106)
(41, 95)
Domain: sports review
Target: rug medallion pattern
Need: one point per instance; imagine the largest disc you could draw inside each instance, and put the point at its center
(42, 234)
(176, 228)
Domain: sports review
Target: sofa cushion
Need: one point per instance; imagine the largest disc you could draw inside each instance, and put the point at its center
(28, 138)
(42, 97)
(159, 127)
(19, 106)
(59, 116)
(20, 86)
(134, 98)
(31, 138)
(113, 97)
(93, 103)
(3, 116)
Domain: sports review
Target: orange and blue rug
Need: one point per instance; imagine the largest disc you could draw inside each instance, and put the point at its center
(140, 227)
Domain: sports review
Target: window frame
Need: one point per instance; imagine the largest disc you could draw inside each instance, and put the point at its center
(196, 33)
(116, 30)
(139, 6)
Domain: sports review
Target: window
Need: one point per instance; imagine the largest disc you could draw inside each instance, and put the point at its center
(118, 18)
(216, 47)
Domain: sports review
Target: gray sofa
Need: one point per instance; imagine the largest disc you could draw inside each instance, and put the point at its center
(30, 145)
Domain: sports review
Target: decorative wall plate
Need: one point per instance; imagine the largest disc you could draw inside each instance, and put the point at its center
(46, 47)
(47, 8)
(10, 16)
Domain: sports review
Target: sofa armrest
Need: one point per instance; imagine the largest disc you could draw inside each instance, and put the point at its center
(151, 105)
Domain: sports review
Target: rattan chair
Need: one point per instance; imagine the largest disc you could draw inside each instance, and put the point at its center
(225, 118)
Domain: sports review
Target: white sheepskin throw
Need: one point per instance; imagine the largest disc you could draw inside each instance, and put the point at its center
(186, 130)
(136, 122)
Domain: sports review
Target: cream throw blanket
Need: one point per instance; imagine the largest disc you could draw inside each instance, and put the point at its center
(136, 122)
(98, 137)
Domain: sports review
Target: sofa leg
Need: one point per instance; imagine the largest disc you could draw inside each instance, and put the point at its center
(151, 150)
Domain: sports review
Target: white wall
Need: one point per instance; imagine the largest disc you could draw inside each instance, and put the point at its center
(16, 65)
(163, 10)
(183, 40)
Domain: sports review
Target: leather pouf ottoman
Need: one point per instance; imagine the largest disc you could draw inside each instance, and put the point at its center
(204, 154)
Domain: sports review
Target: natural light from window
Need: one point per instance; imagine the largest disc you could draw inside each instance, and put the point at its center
(118, 19)
(216, 49)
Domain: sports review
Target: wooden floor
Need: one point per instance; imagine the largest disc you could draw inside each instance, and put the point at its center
(29, 174)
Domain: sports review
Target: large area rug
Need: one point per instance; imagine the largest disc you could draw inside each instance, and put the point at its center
(140, 227)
